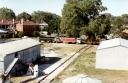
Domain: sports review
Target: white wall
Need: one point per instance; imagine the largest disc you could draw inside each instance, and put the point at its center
(115, 58)
(1, 67)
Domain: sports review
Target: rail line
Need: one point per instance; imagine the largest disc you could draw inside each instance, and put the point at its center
(85, 47)
(59, 68)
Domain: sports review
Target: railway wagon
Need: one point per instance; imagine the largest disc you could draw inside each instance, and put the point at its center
(68, 40)
(92, 41)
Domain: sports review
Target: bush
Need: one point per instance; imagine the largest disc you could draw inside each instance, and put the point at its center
(20, 34)
(3, 36)
(36, 33)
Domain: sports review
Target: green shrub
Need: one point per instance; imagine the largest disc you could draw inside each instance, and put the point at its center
(36, 33)
(20, 34)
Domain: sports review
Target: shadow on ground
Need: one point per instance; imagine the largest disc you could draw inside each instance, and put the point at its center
(42, 66)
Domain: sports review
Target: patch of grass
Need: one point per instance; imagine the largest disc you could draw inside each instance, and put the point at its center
(56, 48)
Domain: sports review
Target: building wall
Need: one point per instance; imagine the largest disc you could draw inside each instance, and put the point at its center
(1, 63)
(115, 58)
(27, 55)
(8, 59)
(31, 54)
(1, 67)
(19, 27)
(29, 29)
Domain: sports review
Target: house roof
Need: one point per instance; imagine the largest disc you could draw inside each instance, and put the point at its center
(14, 46)
(7, 22)
(28, 23)
(43, 24)
(113, 43)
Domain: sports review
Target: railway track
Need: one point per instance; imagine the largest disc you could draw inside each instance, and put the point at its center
(61, 65)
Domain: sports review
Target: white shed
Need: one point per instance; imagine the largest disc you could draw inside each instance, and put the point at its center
(112, 54)
(28, 50)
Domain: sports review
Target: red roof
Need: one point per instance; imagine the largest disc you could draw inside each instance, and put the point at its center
(6, 22)
(29, 23)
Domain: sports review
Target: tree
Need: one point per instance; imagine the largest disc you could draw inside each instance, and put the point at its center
(125, 18)
(6, 14)
(40, 16)
(99, 26)
(54, 25)
(118, 22)
(77, 14)
(24, 16)
(51, 19)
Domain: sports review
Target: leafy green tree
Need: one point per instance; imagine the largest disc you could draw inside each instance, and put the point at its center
(99, 26)
(36, 33)
(51, 19)
(40, 16)
(54, 25)
(20, 34)
(76, 14)
(118, 22)
(125, 18)
(6, 14)
(24, 16)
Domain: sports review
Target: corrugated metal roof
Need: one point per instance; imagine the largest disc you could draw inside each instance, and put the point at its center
(11, 47)
(113, 43)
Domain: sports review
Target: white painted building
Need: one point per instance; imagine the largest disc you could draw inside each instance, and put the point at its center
(112, 54)
(28, 50)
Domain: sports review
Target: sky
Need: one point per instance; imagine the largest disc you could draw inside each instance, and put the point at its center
(115, 7)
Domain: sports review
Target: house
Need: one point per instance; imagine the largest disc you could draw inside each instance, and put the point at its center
(5, 24)
(8, 24)
(3, 31)
(28, 27)
(43, 25)
(112, 54)
(27, 50)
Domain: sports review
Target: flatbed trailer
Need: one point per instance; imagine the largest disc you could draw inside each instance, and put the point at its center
(46, 39)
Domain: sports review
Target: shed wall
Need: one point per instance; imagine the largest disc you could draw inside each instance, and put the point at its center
(115, 58)
(1, 67)
(8, 59)
(27, 55)
(31, 54)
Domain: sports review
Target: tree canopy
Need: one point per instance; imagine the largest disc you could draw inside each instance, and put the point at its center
(24, 16)
(77, 14)
(51, 19)
(6, 14)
